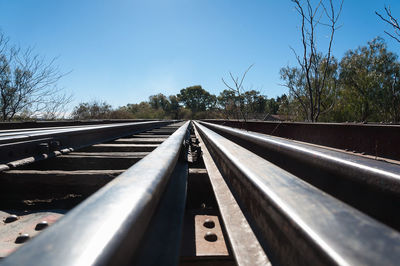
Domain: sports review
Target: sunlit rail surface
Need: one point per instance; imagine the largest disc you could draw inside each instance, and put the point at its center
(209, 192)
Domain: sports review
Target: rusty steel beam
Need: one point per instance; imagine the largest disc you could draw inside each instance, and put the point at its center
(298, 224)
(110, 227)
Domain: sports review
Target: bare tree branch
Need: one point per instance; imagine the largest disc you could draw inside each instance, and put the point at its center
(392, 21)
(238, 89)
(310, 63)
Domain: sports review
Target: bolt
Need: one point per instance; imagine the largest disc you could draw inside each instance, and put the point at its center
(210, 237)
(22, 238)
(11, 218)
(209, 223)
(42, 225)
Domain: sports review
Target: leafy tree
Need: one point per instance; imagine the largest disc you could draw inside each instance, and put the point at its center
(370, 77)
(228, 102)
(272, 106)
(197, 99)
(92, 110)
(174, 107)
(145, 110)
(159, 101)
(324, 87)
(254, 103)
(121, 113)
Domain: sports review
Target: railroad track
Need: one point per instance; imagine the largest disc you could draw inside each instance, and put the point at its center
(168, 193)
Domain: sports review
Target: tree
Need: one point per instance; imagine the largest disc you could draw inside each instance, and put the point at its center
(311, 76)
(392, 21)
(227, 101)
(296, 81)
(237, 88)
(197, 99)
(28, 83)
(144, 110)
(174, 106)
(272, 106)
(92, 110)
(159, 101)
(371, 88)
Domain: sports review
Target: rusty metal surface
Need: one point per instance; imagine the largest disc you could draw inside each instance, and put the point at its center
(31, 223)
(373, 139)
(209, 238)
(245, 246)
(126, 206)
(300, 223)
(370, 185)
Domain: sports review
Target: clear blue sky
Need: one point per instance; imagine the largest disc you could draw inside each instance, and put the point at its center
(123, 51)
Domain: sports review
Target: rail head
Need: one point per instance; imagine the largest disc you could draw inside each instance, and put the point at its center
(381, 174)
(373, 139)
(107, 228)
(8, 136)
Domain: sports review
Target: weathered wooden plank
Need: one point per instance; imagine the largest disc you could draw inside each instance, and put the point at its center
(89, 161)
(139, 141)
(127, 154)
(164, 136)
(28, 184)
(60, 177)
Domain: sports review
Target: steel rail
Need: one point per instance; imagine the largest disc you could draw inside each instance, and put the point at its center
(370, 185)
(7, 136)
(108, 227)
(39, 144)
(244, 244)
(23, 131)
(296, 222)
(372, 139)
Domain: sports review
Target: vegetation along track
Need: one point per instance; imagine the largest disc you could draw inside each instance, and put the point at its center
(191, 193)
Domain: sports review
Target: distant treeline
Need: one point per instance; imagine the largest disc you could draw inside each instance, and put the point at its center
(364, 86)
(193, 102)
